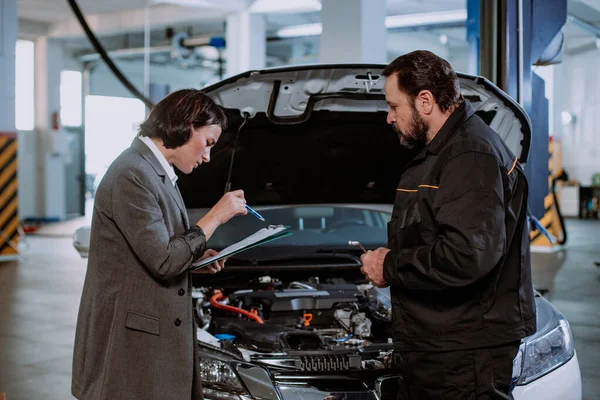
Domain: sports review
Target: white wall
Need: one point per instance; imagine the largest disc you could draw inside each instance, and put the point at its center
(577, 90)
(458, 57)
(399, 43)
(403, 42)
(39, 177)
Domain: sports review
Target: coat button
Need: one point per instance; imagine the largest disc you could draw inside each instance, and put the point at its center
(177, 322)
(181, 292)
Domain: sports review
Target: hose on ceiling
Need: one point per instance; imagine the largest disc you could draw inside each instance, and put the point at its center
(109, 63)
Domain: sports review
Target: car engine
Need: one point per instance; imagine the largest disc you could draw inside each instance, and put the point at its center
(301, 325)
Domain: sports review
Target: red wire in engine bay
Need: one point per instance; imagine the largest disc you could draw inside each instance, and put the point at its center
(214, 301)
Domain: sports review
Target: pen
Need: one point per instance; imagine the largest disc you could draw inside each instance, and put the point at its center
(257, 215)
(356, 243)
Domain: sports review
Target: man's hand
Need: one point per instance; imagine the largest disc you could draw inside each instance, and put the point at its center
(214, 267)
(373, 266)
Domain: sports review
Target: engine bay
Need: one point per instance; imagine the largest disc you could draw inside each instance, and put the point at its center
(304, 325)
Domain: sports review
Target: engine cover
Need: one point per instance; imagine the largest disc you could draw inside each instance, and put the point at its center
(325, 297)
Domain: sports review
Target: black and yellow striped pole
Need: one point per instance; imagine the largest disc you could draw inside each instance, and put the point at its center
(9, 206)
(9, 203)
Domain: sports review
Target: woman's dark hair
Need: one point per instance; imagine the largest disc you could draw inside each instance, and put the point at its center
(172, 118)
(423, 70)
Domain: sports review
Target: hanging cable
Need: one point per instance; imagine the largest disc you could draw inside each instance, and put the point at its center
(100, 49)
(228, 184)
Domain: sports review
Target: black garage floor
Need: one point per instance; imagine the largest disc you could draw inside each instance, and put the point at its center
(39, 299)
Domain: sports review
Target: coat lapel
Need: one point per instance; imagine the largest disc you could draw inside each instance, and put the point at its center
(145, 151)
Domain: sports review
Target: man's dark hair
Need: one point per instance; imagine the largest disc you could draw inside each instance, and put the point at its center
(172, 118)
(423, 70)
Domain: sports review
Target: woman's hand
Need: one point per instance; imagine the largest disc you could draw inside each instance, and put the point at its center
(230, 205)
(214, 267)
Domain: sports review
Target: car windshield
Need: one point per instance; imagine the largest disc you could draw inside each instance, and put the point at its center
(314, 228)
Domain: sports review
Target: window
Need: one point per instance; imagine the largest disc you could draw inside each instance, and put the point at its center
(24, 79)
(111, 123)
(70, 98)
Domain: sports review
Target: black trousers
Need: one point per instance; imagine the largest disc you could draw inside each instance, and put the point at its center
(483, 373)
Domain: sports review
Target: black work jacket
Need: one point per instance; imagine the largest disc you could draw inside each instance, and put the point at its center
(459, 266)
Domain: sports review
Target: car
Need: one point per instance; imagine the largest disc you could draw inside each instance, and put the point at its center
(295, 318)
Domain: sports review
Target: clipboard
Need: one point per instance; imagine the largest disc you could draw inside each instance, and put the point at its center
(262, 236)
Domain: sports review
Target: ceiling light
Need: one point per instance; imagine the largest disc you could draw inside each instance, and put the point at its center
(422, 19)
(278, 6)
(232, 5)
(300, 31)
(391, 22)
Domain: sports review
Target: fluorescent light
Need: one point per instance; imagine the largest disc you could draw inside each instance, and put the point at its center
(391, 22)
(300, 31)
(279, 6)
(231, 5)
(258, 6)
(421, 19)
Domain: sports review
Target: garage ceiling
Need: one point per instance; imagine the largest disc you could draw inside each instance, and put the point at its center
(53, 11)
(120, 22)
(58, 10)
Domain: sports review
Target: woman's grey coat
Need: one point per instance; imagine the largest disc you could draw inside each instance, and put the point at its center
(135, 334)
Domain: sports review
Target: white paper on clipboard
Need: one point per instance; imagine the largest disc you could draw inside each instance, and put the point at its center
(265, 235)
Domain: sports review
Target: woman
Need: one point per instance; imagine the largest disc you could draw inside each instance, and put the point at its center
(136, 337)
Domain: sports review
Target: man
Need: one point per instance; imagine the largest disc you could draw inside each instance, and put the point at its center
(136, 336)
(457, 261)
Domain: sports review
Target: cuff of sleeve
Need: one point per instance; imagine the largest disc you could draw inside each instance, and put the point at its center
(390, 273)
(196, 239)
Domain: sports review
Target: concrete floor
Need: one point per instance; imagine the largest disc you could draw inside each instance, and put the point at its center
(39, 299)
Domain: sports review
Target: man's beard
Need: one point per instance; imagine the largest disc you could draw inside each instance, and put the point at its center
(415, 138)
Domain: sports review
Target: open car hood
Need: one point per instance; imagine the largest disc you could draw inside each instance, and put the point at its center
(318, 135)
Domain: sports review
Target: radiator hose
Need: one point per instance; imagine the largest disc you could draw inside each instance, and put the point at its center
(214, 301)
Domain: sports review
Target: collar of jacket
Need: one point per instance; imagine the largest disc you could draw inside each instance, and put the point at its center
(149, 156)
(454, 121)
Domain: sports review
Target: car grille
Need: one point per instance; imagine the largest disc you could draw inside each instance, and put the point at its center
(329, 362)
(296, 393)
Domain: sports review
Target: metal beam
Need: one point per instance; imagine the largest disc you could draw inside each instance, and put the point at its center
(579, 50)
(593, 29)
(31, 30)
(489, 40)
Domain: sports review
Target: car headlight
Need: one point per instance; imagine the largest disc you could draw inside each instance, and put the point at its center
(220, 382)
(544, 353)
